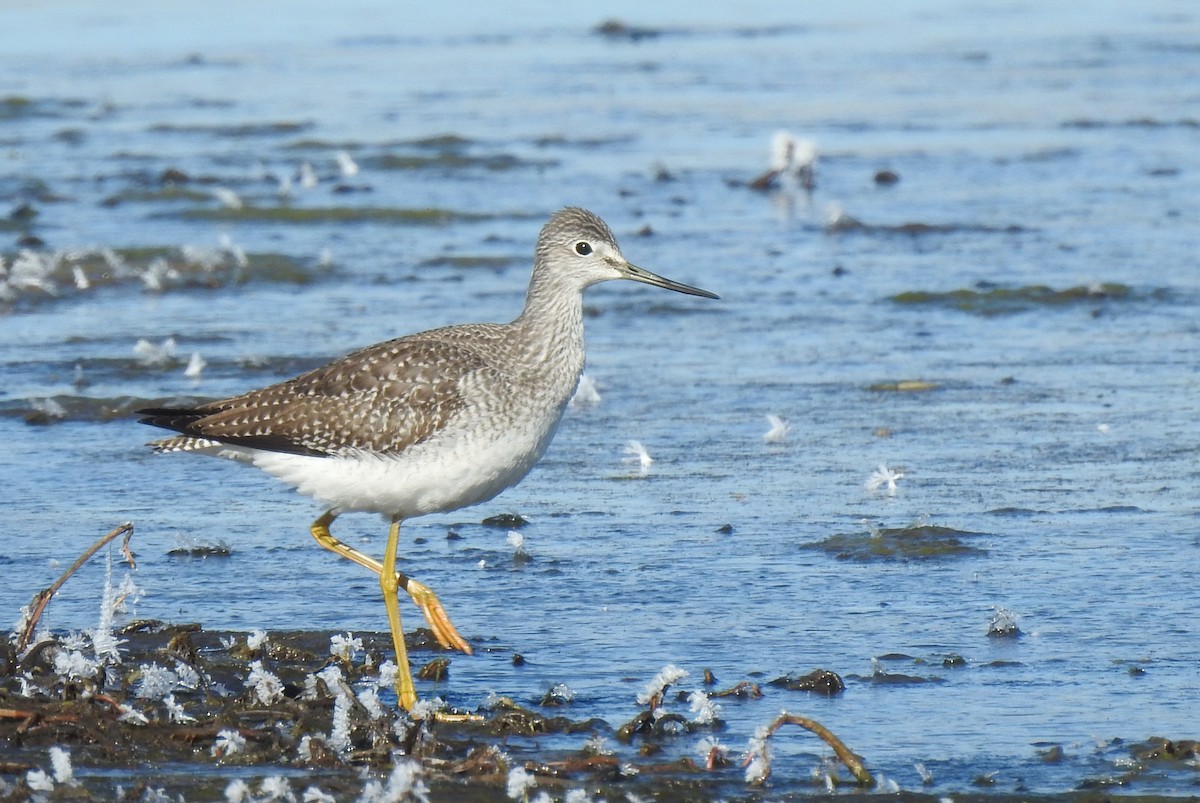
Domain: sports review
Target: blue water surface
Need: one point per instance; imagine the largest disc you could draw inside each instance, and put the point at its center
(1035, 147)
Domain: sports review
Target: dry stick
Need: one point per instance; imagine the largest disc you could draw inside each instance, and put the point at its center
(42, 598)
(14, 713)
(852, 762)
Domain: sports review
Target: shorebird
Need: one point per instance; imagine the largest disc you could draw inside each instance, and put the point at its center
(427, 423)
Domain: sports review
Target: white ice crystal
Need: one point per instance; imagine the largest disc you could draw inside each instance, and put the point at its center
(519, 783)
(265, 685)
(704, 710)
(228, 742)
(60, 762)
(667, 676)
(155, 683)
(346, 647)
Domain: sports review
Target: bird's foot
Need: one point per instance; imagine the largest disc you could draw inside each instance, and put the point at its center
(439, 622)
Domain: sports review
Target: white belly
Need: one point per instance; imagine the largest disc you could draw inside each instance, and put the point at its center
(449, 471)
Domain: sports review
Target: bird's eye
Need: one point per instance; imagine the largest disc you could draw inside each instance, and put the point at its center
(582, 248)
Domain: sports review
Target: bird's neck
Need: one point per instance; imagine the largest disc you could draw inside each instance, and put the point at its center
(551, 329)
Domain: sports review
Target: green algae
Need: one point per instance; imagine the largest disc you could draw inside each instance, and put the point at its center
(425, 216)
(992, 300)
(903, 386)
(14, 104)
(444, 152)
(21, 107)
(171, 193)
(468, 262)
(437, 141)
(236, 130)
(52, 275)
(452, 160)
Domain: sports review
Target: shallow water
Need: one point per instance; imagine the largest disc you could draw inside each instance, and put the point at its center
(1046, 148)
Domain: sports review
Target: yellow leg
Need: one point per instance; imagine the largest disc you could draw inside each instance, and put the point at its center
(389, 584)
(431, 607)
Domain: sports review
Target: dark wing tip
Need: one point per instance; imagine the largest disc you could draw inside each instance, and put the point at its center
(184, 420)
(179, 419)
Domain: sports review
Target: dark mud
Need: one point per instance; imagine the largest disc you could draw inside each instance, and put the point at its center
(177, 712)
(180, 710)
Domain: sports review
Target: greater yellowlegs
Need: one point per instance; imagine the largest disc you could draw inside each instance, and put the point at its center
(426, 423)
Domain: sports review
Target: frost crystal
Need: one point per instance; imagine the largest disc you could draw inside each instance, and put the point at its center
(175, 711)
(519, 783)
(346, 648)
(884, 477)
(39, 781)
(238, 792)
(60, 761)
(403, 784)
(256, 640)
(22, 620)
(228, 742)
(155, 683)
(339, 733)
(275, 788)
(668, 675)
(369, 698)
(704, 710)
(426, 709)
(711, 748)
(104, 642)
(758, 758)
(74, 665)
(267, 687)
(185, 676)
(387, 675)
(779, 429)
(132, 716)
(638, 456)
(597, 745)
(586, 394)
(314, 795)
(72, 641)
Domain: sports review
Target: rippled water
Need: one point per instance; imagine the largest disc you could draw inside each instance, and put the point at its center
(1012, 326)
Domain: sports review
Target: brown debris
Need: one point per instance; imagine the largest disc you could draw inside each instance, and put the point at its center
(510, 719)
(744, 690)
(40, 600)
(438, 670)
(1157, 748)
(821, 681)
(844, 754)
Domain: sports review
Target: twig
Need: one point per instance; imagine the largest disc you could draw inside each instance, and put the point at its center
(42, 598)
(847, 757)
(744, 689)
(15, 713)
